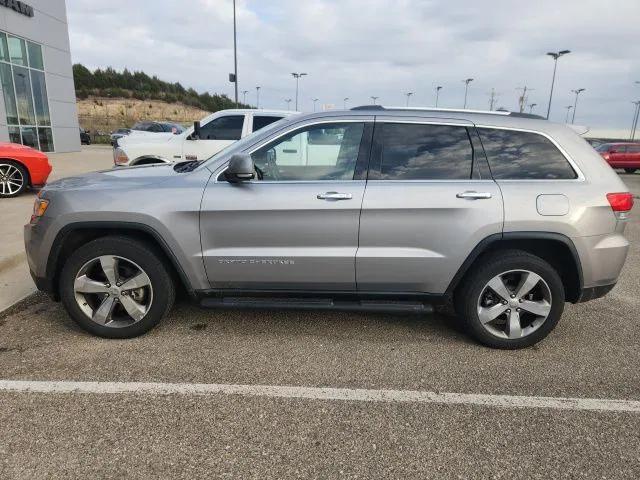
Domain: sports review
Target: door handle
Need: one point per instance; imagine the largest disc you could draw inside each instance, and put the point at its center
(474, 195)
(334, 196)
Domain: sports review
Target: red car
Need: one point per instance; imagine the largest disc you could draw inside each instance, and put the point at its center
(621, 155)
(20, 168)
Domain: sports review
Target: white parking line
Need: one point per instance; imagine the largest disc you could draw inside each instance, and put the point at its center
(315, 393)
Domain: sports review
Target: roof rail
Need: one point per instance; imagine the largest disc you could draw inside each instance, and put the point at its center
(369, 107)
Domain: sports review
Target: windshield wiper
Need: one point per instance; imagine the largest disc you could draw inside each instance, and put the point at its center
(189, 166)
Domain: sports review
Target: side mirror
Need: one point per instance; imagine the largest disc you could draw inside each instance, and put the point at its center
(196, 131)
(240, 169)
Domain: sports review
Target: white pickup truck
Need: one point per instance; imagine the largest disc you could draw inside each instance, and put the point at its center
(217, 131)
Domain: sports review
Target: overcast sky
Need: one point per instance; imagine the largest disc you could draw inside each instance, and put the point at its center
(360, 48)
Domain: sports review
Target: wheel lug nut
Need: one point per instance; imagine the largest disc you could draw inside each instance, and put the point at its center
(517, 309)
(513, 296)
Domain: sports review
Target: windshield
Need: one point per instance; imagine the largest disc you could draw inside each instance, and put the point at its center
(603, 148)
(249, 139)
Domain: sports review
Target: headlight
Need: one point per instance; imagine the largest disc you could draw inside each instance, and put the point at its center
(39, 207)
(119, 157)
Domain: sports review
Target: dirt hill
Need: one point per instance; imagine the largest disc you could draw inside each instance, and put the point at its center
(104, 114)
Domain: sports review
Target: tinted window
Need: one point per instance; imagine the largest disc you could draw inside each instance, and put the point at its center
(523, 156)
(298, 156)
(603, 148)
(142, 126)
(261, 122)
(425, 152)
(633, 149)
(223, 128)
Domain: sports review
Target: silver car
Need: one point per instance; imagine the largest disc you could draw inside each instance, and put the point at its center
(503, 216)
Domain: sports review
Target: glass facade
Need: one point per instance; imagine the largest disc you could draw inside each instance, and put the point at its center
(24, 88)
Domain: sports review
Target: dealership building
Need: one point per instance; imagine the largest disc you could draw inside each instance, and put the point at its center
(37, 97)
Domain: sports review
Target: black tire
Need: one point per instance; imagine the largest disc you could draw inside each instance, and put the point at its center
(630, 170)
(25, 178)
(488, 267)
(140, 253)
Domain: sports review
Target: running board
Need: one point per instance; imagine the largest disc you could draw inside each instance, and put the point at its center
(316, 304)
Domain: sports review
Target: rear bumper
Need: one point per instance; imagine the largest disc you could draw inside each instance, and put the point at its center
(591, 293)
(602, 258)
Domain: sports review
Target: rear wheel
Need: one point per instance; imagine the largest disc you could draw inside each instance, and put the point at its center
(14, 179)
(116, 287)
(512, 300)
(630, 170)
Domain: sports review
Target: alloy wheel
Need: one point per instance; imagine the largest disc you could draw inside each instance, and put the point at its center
(514, 304)
(11, 179)
(113, 291)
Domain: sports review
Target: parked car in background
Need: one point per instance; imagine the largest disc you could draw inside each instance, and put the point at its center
(621, 155)
(85, 138)
(21, 167)
(203, 140)
(143, 128)
(503, 217)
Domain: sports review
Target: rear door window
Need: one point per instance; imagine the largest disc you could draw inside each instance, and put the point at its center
(261, 121)
(516, 155)
(424, 152)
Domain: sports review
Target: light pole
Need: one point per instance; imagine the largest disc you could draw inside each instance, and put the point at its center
(314, 103)
(374, 99)
(344, 102)
(235, 53)
(532, 106)
(288, 100)
(297, 77)
(575, 104)
(258, 97)
(438, 88)
(568, 107)
(555, 56)
(634, 125)
(408, 94)
(466, 90)
(244, 96)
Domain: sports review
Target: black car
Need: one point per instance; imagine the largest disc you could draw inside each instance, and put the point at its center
(85, 138)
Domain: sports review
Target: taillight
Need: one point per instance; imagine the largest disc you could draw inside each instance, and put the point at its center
(621, 203)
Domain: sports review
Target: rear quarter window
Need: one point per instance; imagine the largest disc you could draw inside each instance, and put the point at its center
(515, 155)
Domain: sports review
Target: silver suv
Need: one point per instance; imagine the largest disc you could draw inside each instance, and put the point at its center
(503, 216)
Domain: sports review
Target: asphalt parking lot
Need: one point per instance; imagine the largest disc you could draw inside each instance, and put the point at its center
(271, 432)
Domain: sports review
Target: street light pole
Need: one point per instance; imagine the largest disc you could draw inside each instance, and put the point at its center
(288, 100)
(235, 53)
(408, 94)
(374, 99)
(297, 77)
(532, 106)
(634, 124)
(344, 102)
(568, 107)
(257, 97)
(438, 88)
(575, 104)
(314, 103)
(244, 96)
(555, 56)
(466, 90)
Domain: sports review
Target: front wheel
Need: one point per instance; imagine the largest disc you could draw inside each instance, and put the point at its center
(511, 300)
(116, 287)
(630, 170)
(14, 179)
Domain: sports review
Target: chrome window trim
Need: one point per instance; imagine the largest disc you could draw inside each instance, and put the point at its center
(565, 154)
(218, 172)
(428, 122)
